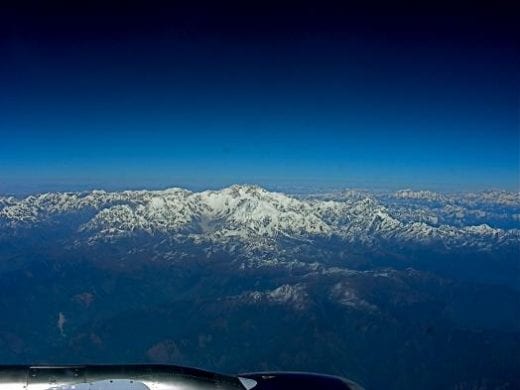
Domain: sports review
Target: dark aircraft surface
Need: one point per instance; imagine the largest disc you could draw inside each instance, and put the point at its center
(159, 377)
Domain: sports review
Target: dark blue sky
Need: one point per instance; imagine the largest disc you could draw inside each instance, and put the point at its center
(293, 95)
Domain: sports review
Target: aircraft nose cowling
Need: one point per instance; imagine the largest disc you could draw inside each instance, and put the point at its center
(297, 381)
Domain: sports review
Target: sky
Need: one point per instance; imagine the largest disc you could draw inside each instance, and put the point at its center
(285, 95)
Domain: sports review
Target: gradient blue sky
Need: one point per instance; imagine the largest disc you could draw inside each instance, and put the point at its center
(204, 97)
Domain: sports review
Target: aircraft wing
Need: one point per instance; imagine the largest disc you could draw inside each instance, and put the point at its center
(157, 377)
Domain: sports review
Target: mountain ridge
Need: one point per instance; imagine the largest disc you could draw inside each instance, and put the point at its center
(246, 213)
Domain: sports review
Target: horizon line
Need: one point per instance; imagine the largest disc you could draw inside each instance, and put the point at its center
(290, 189)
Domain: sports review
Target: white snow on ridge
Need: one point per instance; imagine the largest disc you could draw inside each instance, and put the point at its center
(294, 296)
(254, 215)
(419, 195)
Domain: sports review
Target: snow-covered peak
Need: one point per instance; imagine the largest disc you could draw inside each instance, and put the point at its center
(429, 196)
(261, 211)
(294, 296)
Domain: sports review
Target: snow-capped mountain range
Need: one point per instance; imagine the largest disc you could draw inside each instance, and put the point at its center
(257, 217)
(240, 271)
